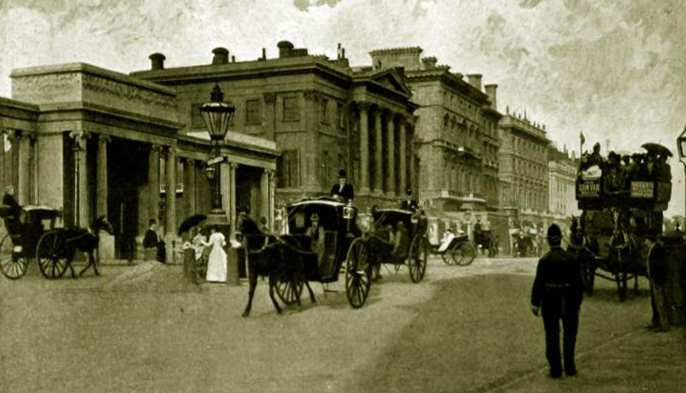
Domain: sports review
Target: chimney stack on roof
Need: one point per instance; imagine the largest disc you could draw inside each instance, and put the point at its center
(285, 48)
(221, 56)
(475, 80)
(429, 62)
(157, 61)
(491, 92)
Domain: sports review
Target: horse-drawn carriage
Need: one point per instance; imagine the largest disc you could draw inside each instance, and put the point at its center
(32, 233)
(622, 216)
(322, 239)
(398, 237)
(486, 240)
(455, 249)
(525, 242)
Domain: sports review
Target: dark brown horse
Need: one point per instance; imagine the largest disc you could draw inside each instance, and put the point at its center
(272, 257)
(86, 241)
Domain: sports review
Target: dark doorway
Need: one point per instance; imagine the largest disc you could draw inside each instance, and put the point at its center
(127, 171)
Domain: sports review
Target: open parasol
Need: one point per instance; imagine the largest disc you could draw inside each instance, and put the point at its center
(656, 148)
(190, 222)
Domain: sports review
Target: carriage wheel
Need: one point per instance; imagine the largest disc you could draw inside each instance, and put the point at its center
(357, 284)
(417, 258)
(12, 266)
(463, 254)
(447, 256)
(289, 291)
(50, 254)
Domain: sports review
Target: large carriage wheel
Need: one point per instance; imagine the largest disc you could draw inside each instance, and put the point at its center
(12, 266)
(358, 273)
(289, 291)
(463, 254)
(50, 254)
(417, 258)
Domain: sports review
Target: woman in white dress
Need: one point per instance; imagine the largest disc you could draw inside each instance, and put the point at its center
(216, 266)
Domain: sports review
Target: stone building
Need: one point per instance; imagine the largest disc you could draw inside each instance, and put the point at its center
(90, 142)
(322, 114)
(562, 171)
(523, 168)
(456, 137)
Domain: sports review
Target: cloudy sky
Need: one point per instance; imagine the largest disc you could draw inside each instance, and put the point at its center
(612, 68)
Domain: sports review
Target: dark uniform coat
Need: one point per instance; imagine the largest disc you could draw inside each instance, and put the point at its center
(557, 290)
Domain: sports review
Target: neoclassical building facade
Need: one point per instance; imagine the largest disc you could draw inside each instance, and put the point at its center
(91, 142)
(322, 114)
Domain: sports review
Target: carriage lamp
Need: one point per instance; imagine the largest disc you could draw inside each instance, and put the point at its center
(217, 115)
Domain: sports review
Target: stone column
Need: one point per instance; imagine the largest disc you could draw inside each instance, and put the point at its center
(391, 189)
(364, 147)
(170, 206)
(82, 197)
(231, 209)
(272, 189)
(264, 195)
(154, 183)
(189, 187)
(378, 153)
(403, 156)
(309, 152)
(102, 192)
(24, 168)
(170, 195)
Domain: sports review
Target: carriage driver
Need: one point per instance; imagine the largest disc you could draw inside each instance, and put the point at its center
(343, 190)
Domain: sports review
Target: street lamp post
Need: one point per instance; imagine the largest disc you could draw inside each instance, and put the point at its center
(681, 144)
(217, 116)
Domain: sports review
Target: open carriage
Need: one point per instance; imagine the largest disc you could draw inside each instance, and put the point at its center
(621, 219)
(398, 237)
(455, 250)
(32, 235)
(486, 240)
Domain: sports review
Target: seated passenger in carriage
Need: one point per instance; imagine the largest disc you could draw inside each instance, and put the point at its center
(448, 237)
(316, 234)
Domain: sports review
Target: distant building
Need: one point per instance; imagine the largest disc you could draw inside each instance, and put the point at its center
(562, 171)
(523, 168)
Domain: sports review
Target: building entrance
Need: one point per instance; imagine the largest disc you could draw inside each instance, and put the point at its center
(127, 168)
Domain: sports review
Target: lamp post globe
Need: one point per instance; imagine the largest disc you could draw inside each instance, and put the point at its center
(217, 115)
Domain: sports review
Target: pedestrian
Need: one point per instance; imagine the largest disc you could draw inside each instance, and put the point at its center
(657, 275)
(557, 294)
(216, 265)
(343, 190)
(152, 241)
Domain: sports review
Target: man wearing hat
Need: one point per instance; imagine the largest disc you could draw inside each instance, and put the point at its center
(343, 189)
(409, 203)
(557, 293)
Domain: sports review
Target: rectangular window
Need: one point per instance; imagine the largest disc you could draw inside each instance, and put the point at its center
(323, 111)
(287, 169)
(341, 117)
(291, 109)
(253, 113)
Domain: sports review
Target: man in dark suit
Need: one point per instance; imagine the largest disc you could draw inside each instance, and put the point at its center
(152, 241)
(557, 292)
(343, 189)
(409, 203)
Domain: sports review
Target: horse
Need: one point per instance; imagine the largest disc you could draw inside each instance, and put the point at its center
(270, 256)
(86, 240)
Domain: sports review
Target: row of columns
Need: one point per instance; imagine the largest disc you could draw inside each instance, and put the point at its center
(393, 180)
(20, 162)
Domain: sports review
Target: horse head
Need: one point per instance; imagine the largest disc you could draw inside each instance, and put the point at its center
(101, 223)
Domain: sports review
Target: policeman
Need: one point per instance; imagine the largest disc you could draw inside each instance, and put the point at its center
(557, 292)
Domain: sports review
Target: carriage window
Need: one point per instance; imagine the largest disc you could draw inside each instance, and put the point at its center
(299, 220)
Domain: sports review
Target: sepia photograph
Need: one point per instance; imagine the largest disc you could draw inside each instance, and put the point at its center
(348, 196)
